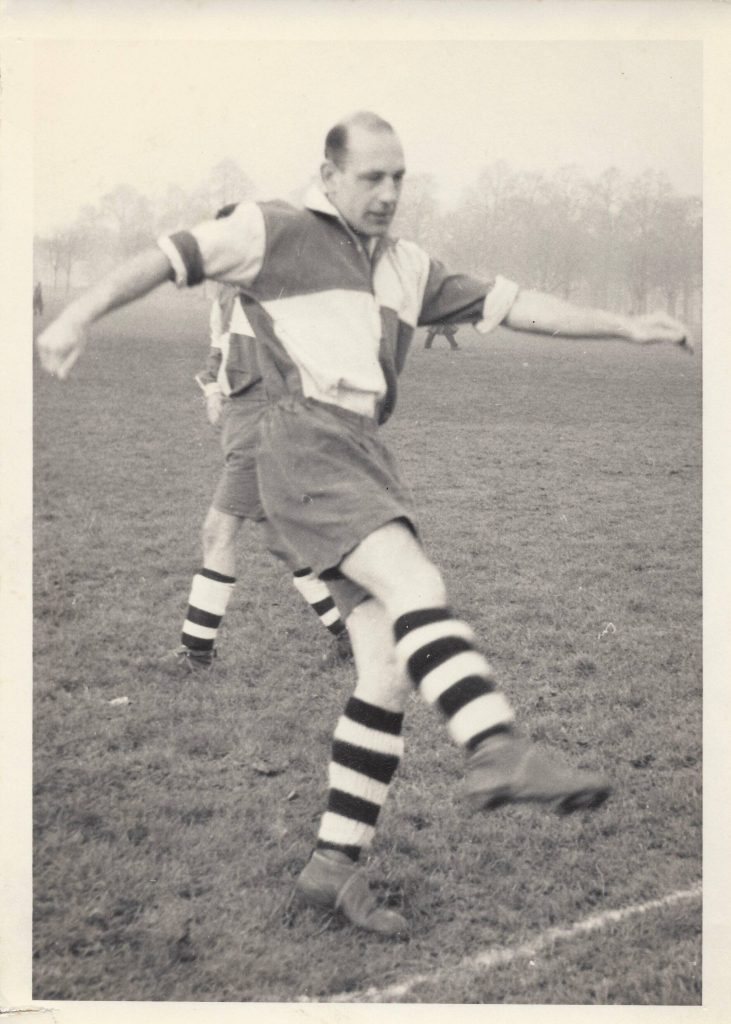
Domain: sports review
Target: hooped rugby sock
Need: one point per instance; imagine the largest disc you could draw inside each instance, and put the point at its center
(319, 599)
(209, 596)
(367, 748)
(438, 652)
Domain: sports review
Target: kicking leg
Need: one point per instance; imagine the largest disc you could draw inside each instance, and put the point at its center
(438, 653)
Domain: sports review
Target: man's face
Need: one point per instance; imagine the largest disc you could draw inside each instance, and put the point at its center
(366, 189)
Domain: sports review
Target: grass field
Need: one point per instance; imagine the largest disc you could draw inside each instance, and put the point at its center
(559, 486)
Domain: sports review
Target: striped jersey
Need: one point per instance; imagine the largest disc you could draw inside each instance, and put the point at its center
(333, 315)
(232, 367)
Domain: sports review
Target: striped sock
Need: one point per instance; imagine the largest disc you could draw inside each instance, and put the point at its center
(367, 748)
(209, 595)
(319, 598)
(439, 654)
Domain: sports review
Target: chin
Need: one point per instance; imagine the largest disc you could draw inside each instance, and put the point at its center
(376, 229)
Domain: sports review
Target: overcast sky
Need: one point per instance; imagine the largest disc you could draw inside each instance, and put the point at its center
(150, 113)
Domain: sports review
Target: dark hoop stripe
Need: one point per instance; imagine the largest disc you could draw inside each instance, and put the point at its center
(370, 763)
(353, 807)
(211, 574)
(432, 655)
(463, 692)
(326, 605)
(486, 733)
(423, 617)
(350, 851)
(201, 618)
(195, 643)
(373, 717)
(187, 247)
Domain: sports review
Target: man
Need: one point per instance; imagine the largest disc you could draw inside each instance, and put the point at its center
(38, 300)
(333, 303)
(235, 400)
(448, 330)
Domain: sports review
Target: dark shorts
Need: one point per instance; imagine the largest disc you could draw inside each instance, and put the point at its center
(237, 492)
(327, 481)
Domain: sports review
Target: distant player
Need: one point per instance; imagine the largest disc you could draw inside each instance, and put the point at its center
(38, 300)
(448, 330)
(235, 402)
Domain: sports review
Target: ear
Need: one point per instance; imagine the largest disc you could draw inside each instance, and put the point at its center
(328, 170)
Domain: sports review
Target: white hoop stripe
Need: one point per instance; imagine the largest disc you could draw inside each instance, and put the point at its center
(417, 638)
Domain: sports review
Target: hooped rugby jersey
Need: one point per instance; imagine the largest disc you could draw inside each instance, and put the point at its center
(232, 366)
(333, 321)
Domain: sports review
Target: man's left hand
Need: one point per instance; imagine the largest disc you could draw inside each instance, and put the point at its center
(659, 328)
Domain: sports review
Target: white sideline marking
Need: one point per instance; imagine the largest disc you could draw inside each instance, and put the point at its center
(496, 957)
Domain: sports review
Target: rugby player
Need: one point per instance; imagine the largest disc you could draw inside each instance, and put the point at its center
(38, 300)
(333, 302)
(235, 400)
(448, 330)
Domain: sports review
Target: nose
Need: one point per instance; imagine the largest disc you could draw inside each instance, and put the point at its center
(389, 191)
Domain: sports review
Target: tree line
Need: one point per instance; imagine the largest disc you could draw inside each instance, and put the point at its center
(623, 243)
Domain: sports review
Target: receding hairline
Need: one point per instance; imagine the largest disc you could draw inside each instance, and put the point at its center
(336, 140)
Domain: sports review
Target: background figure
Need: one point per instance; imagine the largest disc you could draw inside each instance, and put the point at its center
(235, 401)
(448, 330)
(38, 300)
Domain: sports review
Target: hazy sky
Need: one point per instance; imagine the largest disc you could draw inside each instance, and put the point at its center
(149, 113)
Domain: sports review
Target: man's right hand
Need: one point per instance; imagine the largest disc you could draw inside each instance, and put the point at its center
(214, 408)
(61, 344)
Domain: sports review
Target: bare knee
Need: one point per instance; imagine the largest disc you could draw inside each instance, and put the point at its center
(218, 536)
(391, 565)
(380, 679)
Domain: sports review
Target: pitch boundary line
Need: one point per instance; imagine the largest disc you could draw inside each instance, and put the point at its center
(497, 957)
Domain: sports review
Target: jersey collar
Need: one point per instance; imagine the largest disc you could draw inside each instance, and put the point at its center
(316, 200)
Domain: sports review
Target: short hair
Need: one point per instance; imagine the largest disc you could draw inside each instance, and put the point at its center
(336, 140)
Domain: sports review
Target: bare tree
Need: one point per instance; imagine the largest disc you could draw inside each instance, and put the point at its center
(418, 216)
(51, 246)
(130, 215)
(604, 272)
(641, 237)
(225, 183)
(61, 249)
(483, 223)
(675, 269)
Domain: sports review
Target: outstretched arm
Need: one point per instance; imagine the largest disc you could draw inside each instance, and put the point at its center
(546, 314)
(63, 341)
(228, 249)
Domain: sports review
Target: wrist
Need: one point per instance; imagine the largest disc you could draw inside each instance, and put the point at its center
(76, 317)
(626, 328)
(207, 386)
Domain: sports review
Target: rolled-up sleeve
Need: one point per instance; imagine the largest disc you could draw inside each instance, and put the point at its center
(460, 298)
(229, 249)
(498, 303)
